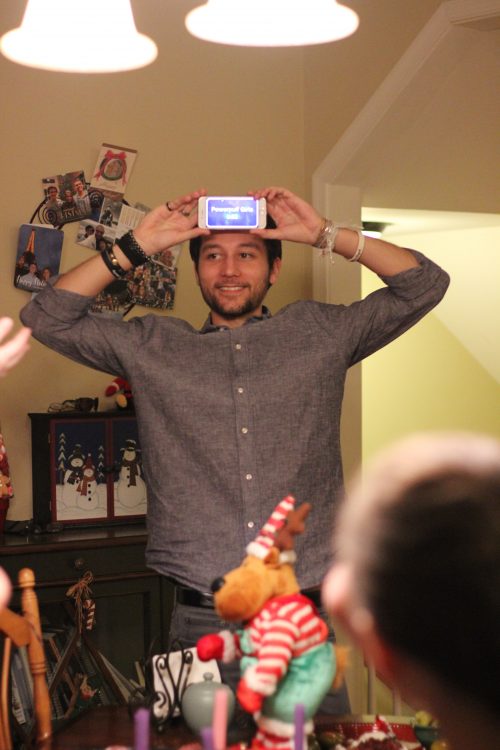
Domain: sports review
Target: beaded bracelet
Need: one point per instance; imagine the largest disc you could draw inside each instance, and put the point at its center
(131, 249)
(111, 263)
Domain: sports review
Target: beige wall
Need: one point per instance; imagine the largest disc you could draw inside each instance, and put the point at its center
(203, 115)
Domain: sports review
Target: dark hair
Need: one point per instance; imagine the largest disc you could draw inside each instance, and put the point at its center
(433, 584)
(273, 246)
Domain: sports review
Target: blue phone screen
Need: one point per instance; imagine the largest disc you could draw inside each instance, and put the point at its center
(232, 213)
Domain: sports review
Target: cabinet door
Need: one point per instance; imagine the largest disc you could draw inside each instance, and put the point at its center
(128, 489)
(87, 469)
(80, 471)
(128, 617)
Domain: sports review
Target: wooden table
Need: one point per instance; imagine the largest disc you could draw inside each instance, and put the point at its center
(104, 726)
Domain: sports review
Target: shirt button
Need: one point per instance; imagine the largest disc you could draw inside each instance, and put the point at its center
(244, 430)
(248, 476)
(238, 346)
(250, 524)
(240, 390)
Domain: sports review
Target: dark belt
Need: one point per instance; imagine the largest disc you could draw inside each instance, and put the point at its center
(193, 598)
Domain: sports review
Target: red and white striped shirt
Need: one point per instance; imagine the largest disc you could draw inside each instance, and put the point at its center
(285, 628)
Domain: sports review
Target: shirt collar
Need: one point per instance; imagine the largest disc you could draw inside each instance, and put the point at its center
(209, 327)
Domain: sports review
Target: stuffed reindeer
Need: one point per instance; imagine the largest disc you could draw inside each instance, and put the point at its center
(284, 654)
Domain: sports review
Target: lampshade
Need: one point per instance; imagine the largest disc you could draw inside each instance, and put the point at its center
(79, 36)
(271, 23)
(374, 228)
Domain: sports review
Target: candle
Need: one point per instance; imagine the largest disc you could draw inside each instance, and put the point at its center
(207, 738)
(141, 729)
(219, 720)
(299, 716)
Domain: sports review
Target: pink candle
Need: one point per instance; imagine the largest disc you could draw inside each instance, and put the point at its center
(219, 721)
(141, 729)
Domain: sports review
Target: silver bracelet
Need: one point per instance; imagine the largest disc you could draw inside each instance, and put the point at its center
(326, 238)
(361, 246)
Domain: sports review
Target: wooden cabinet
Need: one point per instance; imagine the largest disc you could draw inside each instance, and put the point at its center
(87, 469)
(133, 603)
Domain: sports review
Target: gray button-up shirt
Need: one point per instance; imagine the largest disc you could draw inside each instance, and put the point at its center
(232, 421)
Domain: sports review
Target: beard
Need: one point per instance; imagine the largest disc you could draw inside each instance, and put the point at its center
(229, 309)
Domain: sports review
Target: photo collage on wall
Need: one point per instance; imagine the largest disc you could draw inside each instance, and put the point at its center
(103, 215)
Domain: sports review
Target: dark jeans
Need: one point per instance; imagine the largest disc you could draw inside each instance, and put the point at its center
(190, 623)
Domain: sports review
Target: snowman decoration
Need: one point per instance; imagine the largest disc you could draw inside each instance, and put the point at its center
(87, 497)
(72, 477)
(131, 489)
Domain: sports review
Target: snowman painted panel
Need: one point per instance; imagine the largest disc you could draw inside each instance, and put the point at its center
(130, 497)
(78, 463)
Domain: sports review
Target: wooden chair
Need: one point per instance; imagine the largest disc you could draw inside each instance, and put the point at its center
(24, 630)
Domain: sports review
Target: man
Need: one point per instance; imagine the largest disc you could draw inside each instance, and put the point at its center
(234, 417)
(81, 198)
(53, 200)
(92, 239)
(53, 204)
(68, 203)
(30, 280)
(424, 518)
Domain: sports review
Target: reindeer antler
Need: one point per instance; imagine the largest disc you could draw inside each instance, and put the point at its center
(293, 526)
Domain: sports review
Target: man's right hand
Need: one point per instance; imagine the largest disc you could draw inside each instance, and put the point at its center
(170, 224)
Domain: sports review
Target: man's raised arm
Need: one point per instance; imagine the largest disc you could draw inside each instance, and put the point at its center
(298, 221)
(167, 225)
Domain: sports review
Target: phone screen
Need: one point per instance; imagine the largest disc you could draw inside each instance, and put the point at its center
(232, 213)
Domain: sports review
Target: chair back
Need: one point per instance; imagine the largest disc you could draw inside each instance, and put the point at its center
(24, 630)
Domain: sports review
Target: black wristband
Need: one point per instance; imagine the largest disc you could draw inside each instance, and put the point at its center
(131, 249)
(112, 264)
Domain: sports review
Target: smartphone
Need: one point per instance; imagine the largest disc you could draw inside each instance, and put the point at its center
(231, 212)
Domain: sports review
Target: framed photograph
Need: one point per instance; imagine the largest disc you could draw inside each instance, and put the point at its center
(95, 469)
(67, 198)
(113, 168)
(38, 257)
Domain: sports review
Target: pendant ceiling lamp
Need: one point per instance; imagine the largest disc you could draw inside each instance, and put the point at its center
(79, 36)
(271, 23)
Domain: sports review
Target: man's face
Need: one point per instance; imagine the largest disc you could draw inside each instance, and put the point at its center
(99, 232)
(78, 186)
(52, 192)
(234, 276)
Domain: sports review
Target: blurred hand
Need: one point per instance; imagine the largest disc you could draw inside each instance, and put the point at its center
(210, 646)
(5, 588)
(12, 351)
(248, 699)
